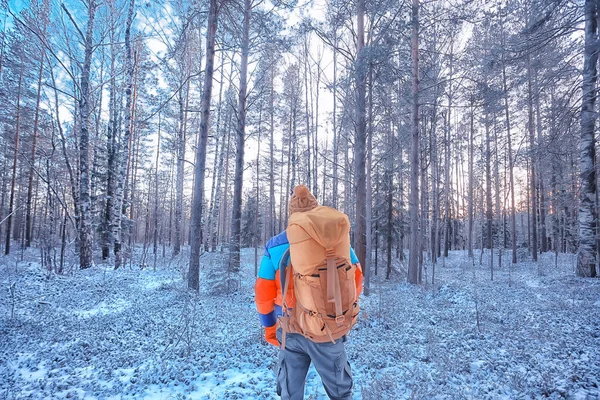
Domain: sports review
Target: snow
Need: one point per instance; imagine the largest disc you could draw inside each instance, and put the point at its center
(131, 333)
(103, 308)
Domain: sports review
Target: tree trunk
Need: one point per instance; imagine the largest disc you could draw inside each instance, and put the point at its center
(471, 162)
(3, 190)
(497, 197)
(316, 137)
(360, 141)
(132, 228)
(489, 212)
(413, 263)
(217, 216)
(528, 197)
(156, 216)
(446, 188)
(309, 181)
(72, 178)
(532, 151)
(86, 231)
(256, 235)
(390, 228)
(513, 219)
(28, 215)
(542, 205)
(424, 203)
(11, 203)
(434, 230)
(196, 225)
(334, 197)
(234, 255)
(112, 129)
(223, 230)
(294, 148)
(586, 256)
(180, 175)
(273, 216)
(369, 194)
(556, 167)
(447, 165)
(123, 152)
(209, 225)
(285, 191)
(96, 174)
(48, 235)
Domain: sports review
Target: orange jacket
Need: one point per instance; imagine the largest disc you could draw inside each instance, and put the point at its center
(268, 290)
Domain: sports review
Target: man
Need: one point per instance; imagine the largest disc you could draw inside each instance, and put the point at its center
(329, 358)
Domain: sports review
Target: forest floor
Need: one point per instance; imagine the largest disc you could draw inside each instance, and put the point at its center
(138, 333)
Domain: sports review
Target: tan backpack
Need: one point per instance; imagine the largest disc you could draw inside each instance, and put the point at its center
(323, 303)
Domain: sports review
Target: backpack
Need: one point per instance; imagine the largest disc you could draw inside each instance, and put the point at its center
(319, 289)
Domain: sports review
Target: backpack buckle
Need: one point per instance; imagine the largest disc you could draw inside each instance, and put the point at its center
(339, 319)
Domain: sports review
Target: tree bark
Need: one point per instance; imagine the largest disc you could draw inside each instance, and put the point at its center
(196, 225)
(489, 213)
(360, 141)
(217, 215)
(447, 165)
(586, 256)
(532, 150)
(497, 198)
(334, 197)
(11, 201)
(435, 212)
(180, 175)
(122, 156)
(86, 232)
(156, 216)
(256, 235)
(112, 129)
(273, 216)
(542, 205)
(413, 260)
(471, 162)
(209, 226)
(309, 166)
(513, 219)
(369, 192)
(234, 254)
(28, 216)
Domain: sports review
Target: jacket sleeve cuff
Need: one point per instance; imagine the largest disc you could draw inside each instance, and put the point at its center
(268, 320)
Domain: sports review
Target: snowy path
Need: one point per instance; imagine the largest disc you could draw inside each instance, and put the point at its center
(104, 334)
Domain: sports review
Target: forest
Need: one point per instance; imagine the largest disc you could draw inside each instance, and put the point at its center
(148, 150)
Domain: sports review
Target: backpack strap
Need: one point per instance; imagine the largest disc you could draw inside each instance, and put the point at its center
(283, 263)
(285, 283)
(334, 292)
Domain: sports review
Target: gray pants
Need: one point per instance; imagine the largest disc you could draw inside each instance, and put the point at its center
(329, 359)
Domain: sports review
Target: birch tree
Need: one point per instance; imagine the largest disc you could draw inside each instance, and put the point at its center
(86, 235)
(588, 218)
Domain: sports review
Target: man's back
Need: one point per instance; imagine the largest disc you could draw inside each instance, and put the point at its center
(329, 359)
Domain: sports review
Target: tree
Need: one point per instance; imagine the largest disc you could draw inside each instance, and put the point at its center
(360, 141)
(85, 224)
(234, 254)
(123, 156)
(588, 218)
(413, 263)
(199, 170)
(251, 222)
(15, 159)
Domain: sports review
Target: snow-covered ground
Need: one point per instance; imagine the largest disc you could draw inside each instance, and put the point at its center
(131, 333)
